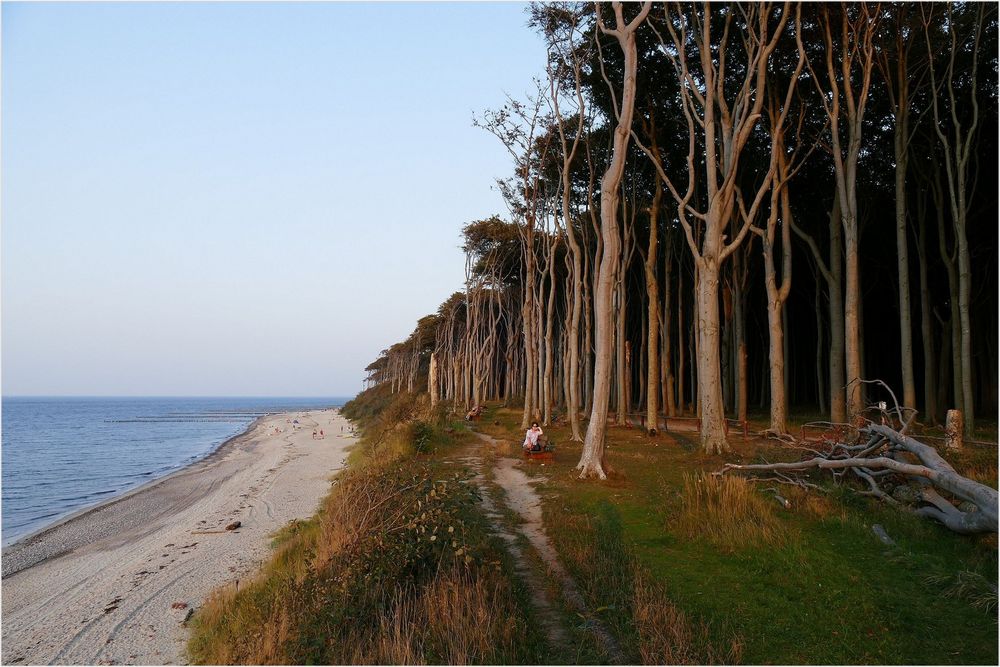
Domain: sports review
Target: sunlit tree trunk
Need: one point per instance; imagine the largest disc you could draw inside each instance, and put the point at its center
(592, 462)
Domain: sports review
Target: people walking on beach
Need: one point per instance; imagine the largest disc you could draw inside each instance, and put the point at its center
(531, 438)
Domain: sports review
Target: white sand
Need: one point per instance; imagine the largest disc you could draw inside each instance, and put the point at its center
(103, 584)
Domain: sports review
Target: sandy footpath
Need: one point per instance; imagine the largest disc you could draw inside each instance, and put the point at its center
(107, 586)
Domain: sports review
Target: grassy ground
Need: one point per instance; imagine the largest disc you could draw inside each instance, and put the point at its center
(767, 585)
(400, 565)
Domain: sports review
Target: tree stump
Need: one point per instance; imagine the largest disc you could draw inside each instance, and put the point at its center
(953, 429)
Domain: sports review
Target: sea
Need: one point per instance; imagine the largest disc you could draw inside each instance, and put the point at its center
(61, 455)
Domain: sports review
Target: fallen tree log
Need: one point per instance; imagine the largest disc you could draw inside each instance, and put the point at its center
(880, 454)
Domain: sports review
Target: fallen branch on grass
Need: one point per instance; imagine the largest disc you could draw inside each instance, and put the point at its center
(884, 453)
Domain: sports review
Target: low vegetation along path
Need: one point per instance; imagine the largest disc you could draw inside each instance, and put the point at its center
(520, 497)
(117, 584)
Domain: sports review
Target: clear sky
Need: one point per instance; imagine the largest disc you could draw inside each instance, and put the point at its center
(240, 199)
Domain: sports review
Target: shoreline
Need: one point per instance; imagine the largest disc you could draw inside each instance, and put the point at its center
(116, 582)
(144, 486)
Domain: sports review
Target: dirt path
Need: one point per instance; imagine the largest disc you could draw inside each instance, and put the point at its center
(519, 496)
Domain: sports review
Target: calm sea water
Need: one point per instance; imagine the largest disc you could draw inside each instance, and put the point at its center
(63, 454)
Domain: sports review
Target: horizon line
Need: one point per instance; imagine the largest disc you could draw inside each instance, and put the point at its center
(2, 396)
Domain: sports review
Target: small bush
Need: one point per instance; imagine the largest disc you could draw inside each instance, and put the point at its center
(729, 512)
(423, 433)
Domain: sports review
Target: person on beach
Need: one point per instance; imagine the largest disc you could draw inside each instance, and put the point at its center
(531, 438)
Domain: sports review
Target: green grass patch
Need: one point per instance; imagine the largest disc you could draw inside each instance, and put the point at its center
(817, 588)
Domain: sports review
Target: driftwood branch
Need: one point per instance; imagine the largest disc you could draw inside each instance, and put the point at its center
(884, 453)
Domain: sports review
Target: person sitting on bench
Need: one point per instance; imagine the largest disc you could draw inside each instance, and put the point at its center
(531, 437)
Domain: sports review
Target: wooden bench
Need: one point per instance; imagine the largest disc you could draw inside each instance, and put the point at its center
(547, 452)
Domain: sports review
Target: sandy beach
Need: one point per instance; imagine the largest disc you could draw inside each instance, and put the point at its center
(114, 584)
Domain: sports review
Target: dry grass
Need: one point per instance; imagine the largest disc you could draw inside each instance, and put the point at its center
(729, 512)
(969, 586)
(395, 569)
(984, 473)
(668, 637)
(455, 620)
(813, 503)
(504, 448)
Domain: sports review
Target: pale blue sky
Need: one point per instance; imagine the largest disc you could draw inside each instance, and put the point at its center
(240, 199)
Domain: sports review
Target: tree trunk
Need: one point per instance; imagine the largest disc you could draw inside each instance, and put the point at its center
(902, 254)
(742, 392)
(621, 406)
(820, 398)
(964, 300)
(838, 403)
(549, 325)
(926, 330)
(652, 316)
(726, 354)
(432, 380)
(592, 458)
(713, 416)
(681, 397)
